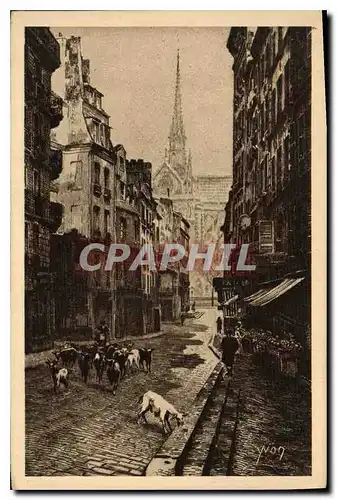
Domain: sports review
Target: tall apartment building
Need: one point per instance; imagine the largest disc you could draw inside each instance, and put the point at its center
(86, 190)
(271, 141)
(43, 111)
(269, 203)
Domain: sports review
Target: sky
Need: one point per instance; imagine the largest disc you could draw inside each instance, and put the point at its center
(135, 70)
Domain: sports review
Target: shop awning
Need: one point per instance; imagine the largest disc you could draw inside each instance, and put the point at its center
(265, 296)
(231, 300)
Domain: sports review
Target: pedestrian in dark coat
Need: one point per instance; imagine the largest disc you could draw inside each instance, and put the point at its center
(182, 318)
(103, 333)
(229, 346)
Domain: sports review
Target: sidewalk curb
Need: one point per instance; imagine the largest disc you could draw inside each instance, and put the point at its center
(213, 348)
(168, 461)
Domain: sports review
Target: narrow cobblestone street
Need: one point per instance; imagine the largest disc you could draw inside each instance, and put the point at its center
(88, 431)
(273, 431)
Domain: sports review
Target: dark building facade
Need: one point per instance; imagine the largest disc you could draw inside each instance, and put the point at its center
(269, 203)
(43, 111)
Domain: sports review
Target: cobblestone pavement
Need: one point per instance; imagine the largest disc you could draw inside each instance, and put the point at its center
(88, 431)
(273, 432)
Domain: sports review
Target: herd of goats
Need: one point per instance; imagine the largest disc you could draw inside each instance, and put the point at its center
(115, 361)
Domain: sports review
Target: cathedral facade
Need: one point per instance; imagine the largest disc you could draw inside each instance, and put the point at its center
(201, 199)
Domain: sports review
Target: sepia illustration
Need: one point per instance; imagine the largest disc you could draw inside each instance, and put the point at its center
(167, 257)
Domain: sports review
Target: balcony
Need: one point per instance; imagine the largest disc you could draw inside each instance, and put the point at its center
(55, 216)
(107, 194)
(55, 162)
(56, 110)
(97, 189)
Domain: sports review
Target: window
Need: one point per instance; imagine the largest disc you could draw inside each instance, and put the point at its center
(106, 221)
(97, 173)
(122, 232)
(262, 118)
(36, 237)
(36, 182)
(279, 165)
(26, 236)
(96, 213)
(273, 107)
(102, 134)
(122, 190)
(136, 228)
(272, 174)
(98, 101)
(95, 130)
(106, 178)
(36, 130)
(265, 174)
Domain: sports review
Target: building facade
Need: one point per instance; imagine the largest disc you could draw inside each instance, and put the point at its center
(174, 284)
(43, 111)
(269, 203)
(200, 199)
(139, 176)
(86, 190)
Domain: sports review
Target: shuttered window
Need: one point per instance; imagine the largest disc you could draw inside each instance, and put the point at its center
(266, 236)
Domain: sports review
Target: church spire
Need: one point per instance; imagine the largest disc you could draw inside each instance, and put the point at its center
(177, 138)
(177, 126)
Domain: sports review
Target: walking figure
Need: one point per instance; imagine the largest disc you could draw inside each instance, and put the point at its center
(182, 318)
(229, 346)
(193, 307)
(219, 325)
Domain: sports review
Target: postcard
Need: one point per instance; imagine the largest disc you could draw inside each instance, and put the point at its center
(168, 250)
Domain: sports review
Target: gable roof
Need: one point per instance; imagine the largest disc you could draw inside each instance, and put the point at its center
(170, 169)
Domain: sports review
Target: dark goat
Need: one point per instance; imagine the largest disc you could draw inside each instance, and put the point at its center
(68, 356)
(84, 364)
(111, 349)
(114, 373)
(145, 358)
(121, 355)
(99, 364)
(59, 376)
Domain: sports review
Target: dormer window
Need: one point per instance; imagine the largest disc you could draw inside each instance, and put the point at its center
(95, 130)
(98, 101)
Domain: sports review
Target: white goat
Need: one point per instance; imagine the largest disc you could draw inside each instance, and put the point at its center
(156, 404)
